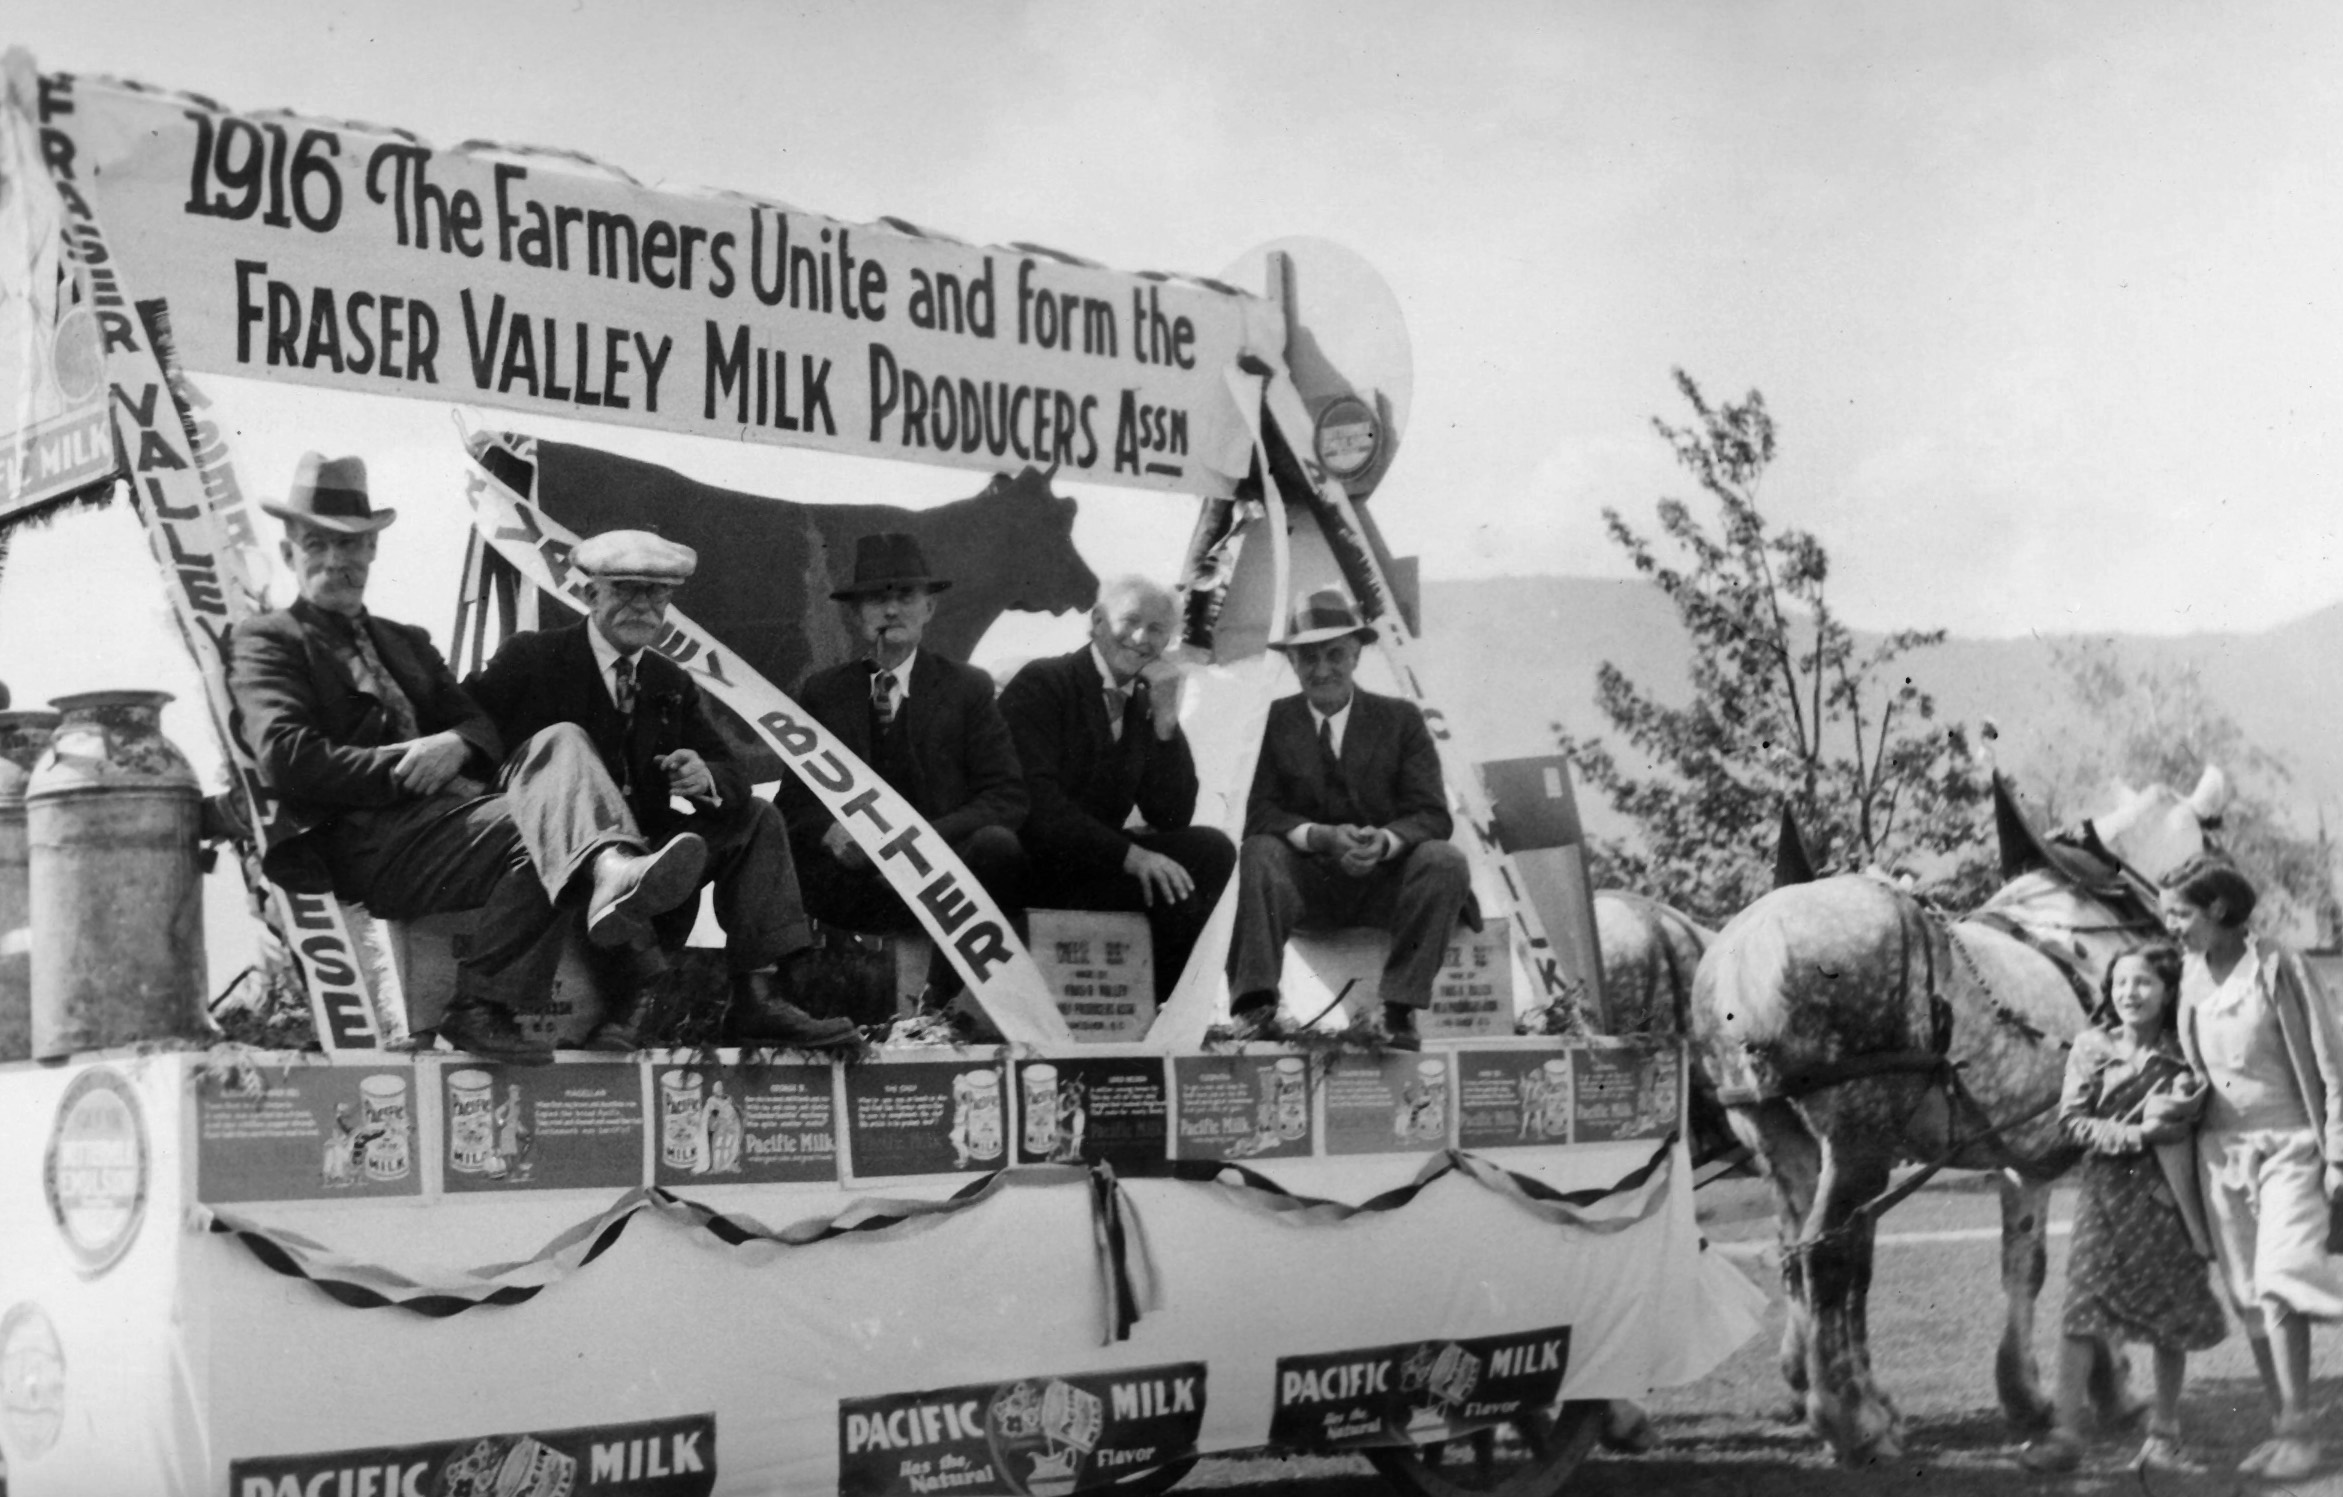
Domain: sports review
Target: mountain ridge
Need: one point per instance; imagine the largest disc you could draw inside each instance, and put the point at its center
(1506, 657)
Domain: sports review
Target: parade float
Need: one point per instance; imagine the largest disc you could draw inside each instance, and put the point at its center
(1074, 1260)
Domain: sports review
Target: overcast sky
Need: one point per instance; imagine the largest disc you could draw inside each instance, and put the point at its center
(2042, 297)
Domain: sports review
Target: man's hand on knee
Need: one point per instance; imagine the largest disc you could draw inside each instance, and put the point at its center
(430, 763)
(1158, 876)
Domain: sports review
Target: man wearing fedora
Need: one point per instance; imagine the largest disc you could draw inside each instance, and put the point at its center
(1098, 735)
(928, 726)
(1347, 825)
(650, 730)
(382, 763)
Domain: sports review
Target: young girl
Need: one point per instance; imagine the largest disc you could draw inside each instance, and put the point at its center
(2136, 1270)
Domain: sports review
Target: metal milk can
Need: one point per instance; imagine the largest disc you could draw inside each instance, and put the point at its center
(113, 816)
(23, 737)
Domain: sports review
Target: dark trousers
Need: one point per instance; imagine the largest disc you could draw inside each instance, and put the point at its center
(860, 899)
(1417, 897)
(755, 878)
(510, 855)
(1205, 852)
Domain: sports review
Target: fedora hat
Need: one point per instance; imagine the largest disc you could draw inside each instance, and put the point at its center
(330, 493)
(886, 560)
(635, 556)
(1325, 614)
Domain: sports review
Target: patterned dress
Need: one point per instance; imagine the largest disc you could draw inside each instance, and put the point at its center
(2132, 1273)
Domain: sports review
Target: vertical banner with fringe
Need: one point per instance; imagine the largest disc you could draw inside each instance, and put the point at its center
(201, 531)
(53, 436)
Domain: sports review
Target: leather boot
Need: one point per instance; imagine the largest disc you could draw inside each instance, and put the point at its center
(1399, 1028)
(489, 1031)
(762, 1013)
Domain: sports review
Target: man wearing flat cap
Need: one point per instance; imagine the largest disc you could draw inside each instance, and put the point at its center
(929, 727)
(1347, 825)
(383, 766)
(651, 733)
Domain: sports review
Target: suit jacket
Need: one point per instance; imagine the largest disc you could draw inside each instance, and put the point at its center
(550, 676)
(1388, 759)
(964, 766)
(323, 745)
(1083, 783)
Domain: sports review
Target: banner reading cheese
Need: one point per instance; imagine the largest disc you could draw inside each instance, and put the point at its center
(362, 259)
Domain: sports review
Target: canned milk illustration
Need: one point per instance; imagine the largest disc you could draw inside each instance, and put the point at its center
(976, 1124)
(1041, 1109)
(383, 1100)
(533, 1468)
(471, 1121)
(683, 1139)
(1423, 1109)
(1290, 1098)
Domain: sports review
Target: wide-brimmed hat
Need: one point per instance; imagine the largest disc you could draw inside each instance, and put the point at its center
(635, 556)
(1325, 614)
(886, 560)
(330, 493)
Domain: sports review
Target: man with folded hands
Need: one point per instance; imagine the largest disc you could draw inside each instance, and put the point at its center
(1347, 825)
(383, 764)
(673, 775)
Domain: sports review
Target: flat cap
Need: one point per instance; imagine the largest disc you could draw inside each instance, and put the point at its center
(634, 556)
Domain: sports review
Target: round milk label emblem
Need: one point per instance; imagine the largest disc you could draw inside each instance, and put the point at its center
(32, 1381)
(96, 1172)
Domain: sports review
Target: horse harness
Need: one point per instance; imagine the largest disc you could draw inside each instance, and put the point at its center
(2066, 959)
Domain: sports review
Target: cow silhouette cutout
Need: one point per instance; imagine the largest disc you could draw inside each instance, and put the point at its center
(767, 566)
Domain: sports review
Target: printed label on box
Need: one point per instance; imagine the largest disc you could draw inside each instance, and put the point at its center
(1080, 1109)
(1389, 1104)
(306, 1133)
(1512, 1098)
(542, 1127)
(926, 1118)
(1034, 1437)
(746, 1126)
(1396, 1395)
(1242, 1107)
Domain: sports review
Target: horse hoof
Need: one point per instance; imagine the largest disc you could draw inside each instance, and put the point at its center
(1628, 1430)
(2031, 1419)
(1883, 1449)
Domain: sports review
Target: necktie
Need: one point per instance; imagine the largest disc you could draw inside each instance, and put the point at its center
(1326, 744)
(882, 697)
(622, 675)
(1118, 700)
(375, 679)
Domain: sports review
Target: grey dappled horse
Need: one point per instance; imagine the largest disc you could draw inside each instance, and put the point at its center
(1849, 1029)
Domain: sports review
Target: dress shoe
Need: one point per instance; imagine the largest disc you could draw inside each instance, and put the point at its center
(761, 1013)
(1255, 1017)
(630, 888)
(1399, 1028)
(489, 1031)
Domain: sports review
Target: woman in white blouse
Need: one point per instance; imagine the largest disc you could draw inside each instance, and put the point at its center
(2270, 1152)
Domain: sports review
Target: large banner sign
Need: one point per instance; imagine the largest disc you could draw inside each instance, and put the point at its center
(347, 256)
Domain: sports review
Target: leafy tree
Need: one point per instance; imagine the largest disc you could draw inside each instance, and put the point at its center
(2152, 721)
(1786, 706)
